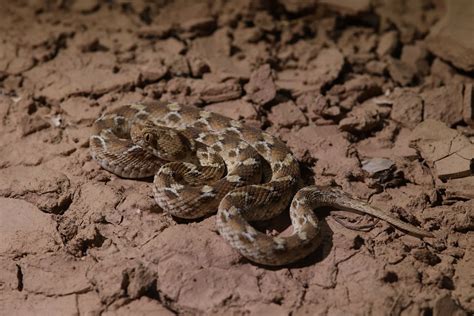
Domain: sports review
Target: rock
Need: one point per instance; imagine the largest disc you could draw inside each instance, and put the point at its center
(117, 277)
(295, 81)
(364, 118)
(377, 165)
(35, 304)
(167, 48)
(15, 59)
(455, 166)
(410, 18)
(177, 66)
(243, 35)
(268, 309)
(358, 45)
(416, 173)
(219, 92)
(365, 86)
(235, 109)
(261, 88)
(182, 85)
(215, 51)
(416, 57)
(198, 66)
(468, 105)
(152, 71)
(142, 306)
(355, 90)
(447, 151)
(326, 67)
(331, 112)
(426, 256)
(444, 104)
(402, 147)
(451, 38)
(48, 79)
(351, 7)
(381, 173)
(287, 114)
(5, 105)
(312, 104)
(9, 275)
(464, 220)
(464, 274)
(264, 21)
(24, 229)
(445, 74)
(445, 305)
(376, 67)
(387, 43)
(80, 109)
(297, 6)
(42, 274)
(198, 27)
(196, 282)
(154, 32)
(459, 189)
(85, 7)
(48, 189)
(407, 107)
(327, 145)
(33, 123)
(201, 90)
(88, 303)
(401, 72)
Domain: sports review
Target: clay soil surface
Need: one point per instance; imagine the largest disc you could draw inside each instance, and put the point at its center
(375, 97)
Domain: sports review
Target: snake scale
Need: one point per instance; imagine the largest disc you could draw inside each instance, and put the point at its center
(203, 162)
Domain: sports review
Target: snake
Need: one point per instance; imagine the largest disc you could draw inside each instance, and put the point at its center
(204, 162)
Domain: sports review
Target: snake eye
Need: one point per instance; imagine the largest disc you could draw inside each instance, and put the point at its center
(148, 137)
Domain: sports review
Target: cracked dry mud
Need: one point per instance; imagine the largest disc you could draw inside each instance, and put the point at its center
(361, 91)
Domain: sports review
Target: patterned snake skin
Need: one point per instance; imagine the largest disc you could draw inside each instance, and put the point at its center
(205, 162)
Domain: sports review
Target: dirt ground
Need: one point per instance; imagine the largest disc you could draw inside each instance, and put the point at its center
(375, 97)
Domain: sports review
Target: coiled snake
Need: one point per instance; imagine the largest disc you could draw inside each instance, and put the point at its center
(203, 162)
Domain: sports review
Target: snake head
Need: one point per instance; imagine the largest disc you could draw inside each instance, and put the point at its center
(163, 142)
(144, 134)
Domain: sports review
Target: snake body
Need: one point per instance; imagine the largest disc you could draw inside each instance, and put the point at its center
(203, 162)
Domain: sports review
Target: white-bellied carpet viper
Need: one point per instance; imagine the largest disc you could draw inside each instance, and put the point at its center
(204, 162)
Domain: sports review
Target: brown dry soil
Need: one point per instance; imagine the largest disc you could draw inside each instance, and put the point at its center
(373, 96)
